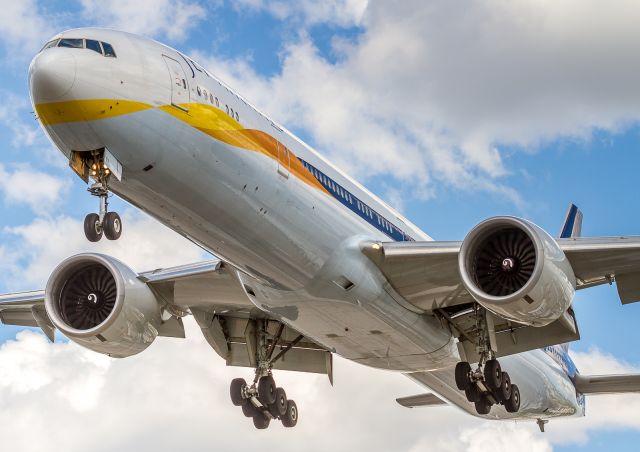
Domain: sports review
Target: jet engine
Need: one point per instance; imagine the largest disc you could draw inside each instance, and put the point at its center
(99, 303)
(516, 270)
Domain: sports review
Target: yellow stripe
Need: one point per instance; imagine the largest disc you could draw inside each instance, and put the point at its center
(86, 110)
(208, 119)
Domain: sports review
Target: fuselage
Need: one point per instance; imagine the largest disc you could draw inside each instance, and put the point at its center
(203, 161)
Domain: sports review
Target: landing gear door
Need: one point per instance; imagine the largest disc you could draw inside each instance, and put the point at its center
(179, 86)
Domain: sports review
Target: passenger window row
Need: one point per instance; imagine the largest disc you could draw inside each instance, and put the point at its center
(100, 47)
(202, 92)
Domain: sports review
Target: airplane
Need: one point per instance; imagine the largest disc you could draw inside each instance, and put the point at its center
(306, 262)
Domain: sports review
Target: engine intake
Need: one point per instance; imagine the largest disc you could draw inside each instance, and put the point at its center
(99, 303)
(516, 270)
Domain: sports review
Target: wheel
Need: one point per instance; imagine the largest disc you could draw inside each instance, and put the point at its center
(492, 374)
(92, 227)
(112, 225)
(483, 406)
(503, 393)
(462, 375)
(513, 403)
(290, 418)
(473, 393)
(267, 390)
(260, 421)
(279, 407)
(236, 390)
(249, 410)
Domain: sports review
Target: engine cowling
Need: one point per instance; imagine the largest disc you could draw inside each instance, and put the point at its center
(516, 270)
(99, 303)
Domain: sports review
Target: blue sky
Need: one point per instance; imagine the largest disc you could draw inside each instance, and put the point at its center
(449, 121)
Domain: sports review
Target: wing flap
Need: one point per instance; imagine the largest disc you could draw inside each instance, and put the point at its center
(607, 384)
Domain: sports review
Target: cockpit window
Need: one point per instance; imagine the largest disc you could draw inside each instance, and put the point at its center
(93, 45)
(73, 43)
(108, 50)
(50, 44)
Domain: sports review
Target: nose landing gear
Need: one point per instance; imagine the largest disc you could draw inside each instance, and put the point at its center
(105, 223)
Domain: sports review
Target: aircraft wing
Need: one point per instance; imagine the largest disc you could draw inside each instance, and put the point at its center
(212, 293)
(425, 277)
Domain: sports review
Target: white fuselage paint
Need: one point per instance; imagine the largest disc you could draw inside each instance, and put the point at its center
(289, 241)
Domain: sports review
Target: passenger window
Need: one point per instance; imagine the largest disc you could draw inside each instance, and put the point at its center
(237, 117)
(72, 43)
(108, 50)
(93, 45)
(231, 112)
(217, 103)
(199, 90)
(211, 98)
(50, 44)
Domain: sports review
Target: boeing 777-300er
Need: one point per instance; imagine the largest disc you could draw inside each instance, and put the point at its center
(308, 262)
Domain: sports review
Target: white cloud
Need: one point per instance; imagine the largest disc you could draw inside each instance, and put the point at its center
(60, 396)
(13, 111)
(169, 18)
(309, 12)
(23, 29)
(42, 192)
(431, 94)
(38, 247)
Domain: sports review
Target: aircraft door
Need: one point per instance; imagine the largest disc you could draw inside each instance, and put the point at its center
(284, 160)
(179, 86)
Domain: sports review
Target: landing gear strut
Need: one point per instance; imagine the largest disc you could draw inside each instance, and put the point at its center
(105, 223)
(487, 385)
(263, 400)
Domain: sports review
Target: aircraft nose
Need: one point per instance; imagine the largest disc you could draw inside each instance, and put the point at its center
(51, 75)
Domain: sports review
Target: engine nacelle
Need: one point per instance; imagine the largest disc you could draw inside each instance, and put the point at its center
(516, 270)
(99, 303)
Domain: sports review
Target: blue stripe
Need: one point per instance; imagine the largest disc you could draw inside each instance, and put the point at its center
(356, 205)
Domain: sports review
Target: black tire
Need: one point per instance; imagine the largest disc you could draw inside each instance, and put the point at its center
(483, 406)
(112, 225)
(236, 390)
(473, 393)
(492, 374)
(249, 410)
(279, 407)
(267, 390)
(513, 404)
(503, 393)
(92, 227)
(260, 421)
(290, 418)
(462, 375)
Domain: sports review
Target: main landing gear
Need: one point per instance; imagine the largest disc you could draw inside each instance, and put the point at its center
(263, 401)
(105, 223)
(488, 386)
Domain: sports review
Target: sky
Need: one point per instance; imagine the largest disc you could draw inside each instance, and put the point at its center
(452, 111)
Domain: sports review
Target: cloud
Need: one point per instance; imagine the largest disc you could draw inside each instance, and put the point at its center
(343, 13)
(13, 112)
(23, 29)
(431, 95)
(36, 248)
(167, 18)
(71, 398)
(42, 192)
